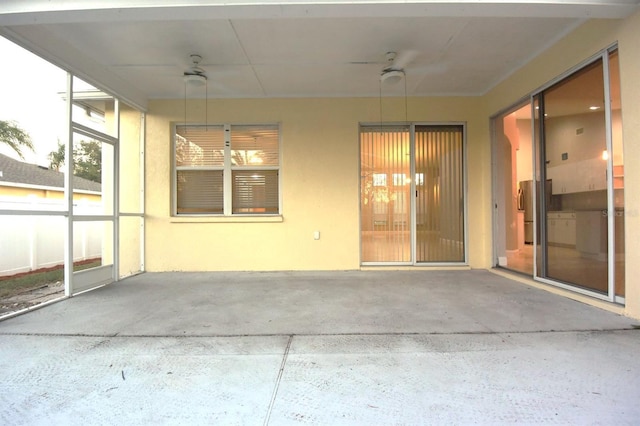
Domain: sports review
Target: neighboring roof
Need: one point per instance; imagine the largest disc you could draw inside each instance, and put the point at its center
(18, 172)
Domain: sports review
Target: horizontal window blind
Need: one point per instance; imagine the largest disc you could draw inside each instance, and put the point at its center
(254, 146)
(255, 191)
(199, 145)
(200, 191)
(226, 169)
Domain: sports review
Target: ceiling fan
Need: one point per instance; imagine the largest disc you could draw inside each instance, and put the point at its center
(195, 75)
(399, 64)
(393, 72)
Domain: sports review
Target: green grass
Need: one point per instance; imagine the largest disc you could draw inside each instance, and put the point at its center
(13, 286)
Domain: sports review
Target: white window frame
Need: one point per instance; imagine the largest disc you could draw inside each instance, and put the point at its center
(227, 168)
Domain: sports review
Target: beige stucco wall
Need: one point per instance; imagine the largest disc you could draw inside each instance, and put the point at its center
(320, 167)
(628, 36)
(130, 260)
(584, 42)
(320, 184)
(130, 236)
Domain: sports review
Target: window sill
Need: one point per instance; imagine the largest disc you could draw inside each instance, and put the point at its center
(227, 219)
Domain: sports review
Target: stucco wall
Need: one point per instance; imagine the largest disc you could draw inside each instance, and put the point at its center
(576, 47)
(320, 184)
(320, 167)
(628, 36)
(130, 261)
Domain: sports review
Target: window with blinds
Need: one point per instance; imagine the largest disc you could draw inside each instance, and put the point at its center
(226, 170)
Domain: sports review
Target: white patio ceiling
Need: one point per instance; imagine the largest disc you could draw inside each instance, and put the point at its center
(140, 49)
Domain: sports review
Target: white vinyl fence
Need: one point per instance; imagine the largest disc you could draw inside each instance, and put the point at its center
(28, 243)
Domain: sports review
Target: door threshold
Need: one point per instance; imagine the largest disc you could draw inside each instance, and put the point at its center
(438, 267)
(583, 298)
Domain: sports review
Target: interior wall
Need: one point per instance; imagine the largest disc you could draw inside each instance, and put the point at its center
(524, 155)
(319, 183)
(584, 42)
(579, 136)
(510, 146)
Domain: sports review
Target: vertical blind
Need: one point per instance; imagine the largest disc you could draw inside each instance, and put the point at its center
(439, 190)
(385, 194)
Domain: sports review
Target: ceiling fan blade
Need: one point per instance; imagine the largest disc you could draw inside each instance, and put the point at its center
(219, 89)
(429, 69)
(403, 59)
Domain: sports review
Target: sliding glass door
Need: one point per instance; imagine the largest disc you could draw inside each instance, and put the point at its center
(412, 197)
(439, 194)
(559, 183)
(582, 205)
(385, 195)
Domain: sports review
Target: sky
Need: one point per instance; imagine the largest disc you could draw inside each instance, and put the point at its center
(30, 95)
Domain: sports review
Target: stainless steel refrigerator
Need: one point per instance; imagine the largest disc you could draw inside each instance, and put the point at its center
(525, 203)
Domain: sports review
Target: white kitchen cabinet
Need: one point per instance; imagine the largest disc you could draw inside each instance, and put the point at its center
(596, 179)
(552, 230)
(575, 175)
(581, 176)
(564, 179)
(590, 226)
(561, 229)
(569, 233)
(557, 176)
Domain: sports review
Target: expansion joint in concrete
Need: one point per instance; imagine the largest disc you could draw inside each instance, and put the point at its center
(631, 327)
(278, 380)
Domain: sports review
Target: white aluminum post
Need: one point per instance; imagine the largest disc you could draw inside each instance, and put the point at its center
(534, 148)
(611, 211)
(68, 193)
(413, 231)
(116, 193)
(141, 183)
(465, 192)
(227, 174)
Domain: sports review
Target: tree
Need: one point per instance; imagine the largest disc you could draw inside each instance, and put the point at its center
(12, 135)
(87, 160)
(56, 158)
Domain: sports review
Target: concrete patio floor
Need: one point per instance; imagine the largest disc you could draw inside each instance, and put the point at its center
(359, 347)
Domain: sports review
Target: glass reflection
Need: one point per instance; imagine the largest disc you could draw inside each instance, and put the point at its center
(575, 197)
